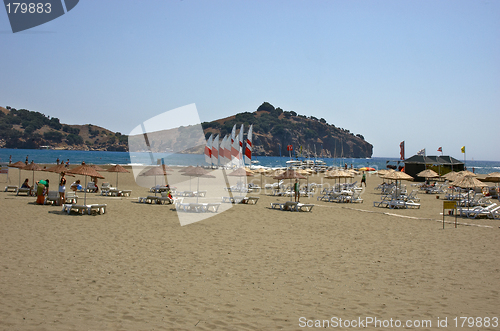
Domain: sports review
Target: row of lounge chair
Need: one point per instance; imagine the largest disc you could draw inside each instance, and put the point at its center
(491, 211)
(292, 206)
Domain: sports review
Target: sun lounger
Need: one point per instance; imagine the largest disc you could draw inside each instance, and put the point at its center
(304, 207)
(23, 190)
(235, 199)
(81, 209)
(10, 188)
(212, 207)
(479, 211)
(275, 205)
(52, 197)
(250, 200)
(71, 198)
(383, 203)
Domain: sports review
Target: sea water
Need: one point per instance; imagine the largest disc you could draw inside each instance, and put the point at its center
(124, 158)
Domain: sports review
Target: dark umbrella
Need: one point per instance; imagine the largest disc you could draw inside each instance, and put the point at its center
(85, 170)
(198, 172)
(19, 165)
(290, 174)
(117, 168)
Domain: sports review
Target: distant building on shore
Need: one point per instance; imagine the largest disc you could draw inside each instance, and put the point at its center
(440, 164)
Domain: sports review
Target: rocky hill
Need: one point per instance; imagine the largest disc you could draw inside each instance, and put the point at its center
(275, 129)
(29, 129)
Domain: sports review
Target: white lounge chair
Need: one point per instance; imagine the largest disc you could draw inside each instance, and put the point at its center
(11, 188)
(52, 197)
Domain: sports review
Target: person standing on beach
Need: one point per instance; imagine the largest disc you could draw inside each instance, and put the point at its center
(62, 190)
(26, 160)
(363, 179)
(57, 161)
(296, 190)
(67, 163)
(10, 159)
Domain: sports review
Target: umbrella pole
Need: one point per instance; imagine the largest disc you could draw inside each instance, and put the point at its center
(198, 190)
(85, 192)
(117, 180)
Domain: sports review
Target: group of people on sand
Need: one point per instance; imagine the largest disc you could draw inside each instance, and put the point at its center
(42, 189)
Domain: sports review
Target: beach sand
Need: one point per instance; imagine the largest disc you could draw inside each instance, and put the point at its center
(248, 268)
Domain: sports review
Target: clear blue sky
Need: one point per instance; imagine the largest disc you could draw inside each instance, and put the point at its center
(426, 72)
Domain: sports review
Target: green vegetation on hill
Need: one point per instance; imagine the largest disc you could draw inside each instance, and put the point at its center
(274, 128)
(30, 129)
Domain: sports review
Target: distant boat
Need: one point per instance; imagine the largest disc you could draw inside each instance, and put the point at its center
(45, 147)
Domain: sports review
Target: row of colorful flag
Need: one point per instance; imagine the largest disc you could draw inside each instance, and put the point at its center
(422, 151)
(229, 151)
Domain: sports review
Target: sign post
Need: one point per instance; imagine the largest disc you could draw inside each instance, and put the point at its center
(450, 205)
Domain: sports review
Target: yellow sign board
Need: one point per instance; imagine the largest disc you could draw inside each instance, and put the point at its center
(449, 204)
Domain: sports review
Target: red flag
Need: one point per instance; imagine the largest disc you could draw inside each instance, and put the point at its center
(440, 149)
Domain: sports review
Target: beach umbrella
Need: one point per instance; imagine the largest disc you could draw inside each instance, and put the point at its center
(468, 182)
(493, 177)
(260, 171)
(398, 175)
(307, 173)
(97, 168)
(240, 172)
(198, 172)
(467, 173)
(33, 167)
(59, 168)
(85, 170)
(117, 168)
(290, 174)
(339, 174)
(383, 172)
(451, 176)
(428, 173)
(186, 168)
(19, 165)
(156, 171)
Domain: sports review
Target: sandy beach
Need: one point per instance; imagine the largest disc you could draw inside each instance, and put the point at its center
(248, 268)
